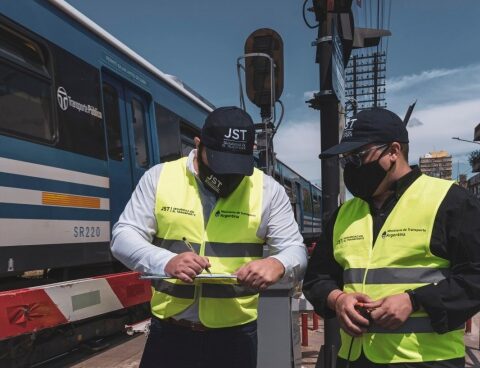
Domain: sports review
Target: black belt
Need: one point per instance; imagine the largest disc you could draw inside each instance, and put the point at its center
(192, 326)
(198, 326)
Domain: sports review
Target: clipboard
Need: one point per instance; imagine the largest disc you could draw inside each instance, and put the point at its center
(202, 276)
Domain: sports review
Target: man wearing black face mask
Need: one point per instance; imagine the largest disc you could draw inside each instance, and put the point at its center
(399, 264)
(210, 212)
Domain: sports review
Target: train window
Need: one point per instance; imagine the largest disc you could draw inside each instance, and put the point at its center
(80, 120)
(307, 202)
(25, 96)
(25, 105)
(287, 184)
(168, 133)
(277, 177)
(22, 51)
(138, 114)
(112, 121)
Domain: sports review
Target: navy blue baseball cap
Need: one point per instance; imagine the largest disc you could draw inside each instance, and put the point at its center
(228, 136)
(369, 126)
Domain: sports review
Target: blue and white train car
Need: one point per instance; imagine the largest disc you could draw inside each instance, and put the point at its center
(82, 118)
(306, 199)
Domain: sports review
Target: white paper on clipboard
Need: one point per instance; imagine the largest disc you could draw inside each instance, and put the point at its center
(201, 276)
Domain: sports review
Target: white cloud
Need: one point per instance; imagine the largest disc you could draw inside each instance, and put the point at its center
(407, 81)
(441, 123)
(448, 106)
(434, 87)
(414, 122)
(308, 95)
(298, 145)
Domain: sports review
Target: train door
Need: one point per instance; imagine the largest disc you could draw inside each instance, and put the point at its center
(139, 133)
(126, 117)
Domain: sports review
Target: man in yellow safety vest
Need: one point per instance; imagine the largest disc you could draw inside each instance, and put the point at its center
(399, 264)
(200, 217)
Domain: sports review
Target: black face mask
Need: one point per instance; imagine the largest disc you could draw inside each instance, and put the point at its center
(363, 181)
(222, 185)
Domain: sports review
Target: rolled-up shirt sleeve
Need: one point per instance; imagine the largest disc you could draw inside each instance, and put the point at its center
(132, 235)
(281, 232)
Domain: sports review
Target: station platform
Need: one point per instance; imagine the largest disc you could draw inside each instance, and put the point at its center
(127, 351)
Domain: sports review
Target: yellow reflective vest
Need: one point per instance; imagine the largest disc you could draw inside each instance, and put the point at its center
(229, 239)
(397, 260)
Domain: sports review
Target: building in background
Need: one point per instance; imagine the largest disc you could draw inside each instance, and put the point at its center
(474, 185)
(474, 181)
(437, 164)
(462, 181)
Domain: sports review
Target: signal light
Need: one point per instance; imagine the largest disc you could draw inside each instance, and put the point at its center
(258, 68)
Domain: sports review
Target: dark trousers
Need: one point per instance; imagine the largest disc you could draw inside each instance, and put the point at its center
(172, 346)
(363, 362)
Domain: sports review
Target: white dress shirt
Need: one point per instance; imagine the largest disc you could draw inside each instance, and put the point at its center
(133, 234)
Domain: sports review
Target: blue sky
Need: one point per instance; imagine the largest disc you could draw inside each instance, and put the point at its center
(432, 57)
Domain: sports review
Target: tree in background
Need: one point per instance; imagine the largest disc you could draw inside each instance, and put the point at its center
(474, 160)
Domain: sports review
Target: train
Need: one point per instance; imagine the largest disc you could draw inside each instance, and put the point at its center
(82, 118)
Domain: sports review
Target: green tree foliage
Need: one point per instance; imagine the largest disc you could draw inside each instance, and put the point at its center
(474, 157)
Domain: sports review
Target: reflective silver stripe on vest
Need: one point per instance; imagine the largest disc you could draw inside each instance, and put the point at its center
(176, 290)
(226, 291)
(411, 325)
(395, 275)
(175, 246)
(233, 250)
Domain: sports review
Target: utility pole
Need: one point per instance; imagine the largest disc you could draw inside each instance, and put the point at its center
(328, 104)
(336, 38)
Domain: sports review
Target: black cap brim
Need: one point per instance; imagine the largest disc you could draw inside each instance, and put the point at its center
(340, 148)
(229, 163)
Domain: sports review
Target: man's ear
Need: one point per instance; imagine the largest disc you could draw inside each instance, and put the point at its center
(396, 150)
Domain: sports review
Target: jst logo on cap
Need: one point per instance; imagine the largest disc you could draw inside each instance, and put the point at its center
(235, 134)
(348, 131)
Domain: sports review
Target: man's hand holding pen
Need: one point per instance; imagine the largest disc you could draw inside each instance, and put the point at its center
(186, 266)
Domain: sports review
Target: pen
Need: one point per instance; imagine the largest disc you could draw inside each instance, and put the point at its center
(193, 250)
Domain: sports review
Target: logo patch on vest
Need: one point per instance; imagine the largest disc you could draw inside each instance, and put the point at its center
(395, 233)
(181, 211)
(232, 214)
(344, 240)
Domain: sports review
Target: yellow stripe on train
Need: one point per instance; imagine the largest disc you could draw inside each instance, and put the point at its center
(68, 200)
